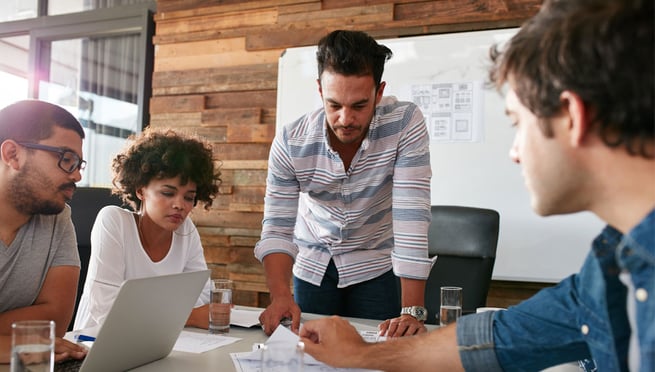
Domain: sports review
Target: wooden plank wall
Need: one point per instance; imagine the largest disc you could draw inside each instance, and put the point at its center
(215, 74)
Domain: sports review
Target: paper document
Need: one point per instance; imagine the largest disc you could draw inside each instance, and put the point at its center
(251, 361)
(245, 318)
(195, 342)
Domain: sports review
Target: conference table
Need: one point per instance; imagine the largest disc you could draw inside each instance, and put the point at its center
(219, 359)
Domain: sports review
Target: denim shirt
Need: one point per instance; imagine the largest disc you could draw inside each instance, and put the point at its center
(584, 316)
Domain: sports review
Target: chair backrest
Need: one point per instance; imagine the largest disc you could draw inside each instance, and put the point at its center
(85, 205)
(465, 241)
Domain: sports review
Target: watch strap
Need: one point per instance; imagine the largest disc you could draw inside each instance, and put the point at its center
(418, 312)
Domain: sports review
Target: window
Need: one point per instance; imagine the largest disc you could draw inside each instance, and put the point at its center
(13, 68)
(95, 63)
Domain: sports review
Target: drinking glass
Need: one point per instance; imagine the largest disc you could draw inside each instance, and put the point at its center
(451, 305)
(220, 306)
(33, 346)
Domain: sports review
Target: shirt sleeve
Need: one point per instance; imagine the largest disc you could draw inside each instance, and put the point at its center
(411, 200)
(475, 342)
(280, 203)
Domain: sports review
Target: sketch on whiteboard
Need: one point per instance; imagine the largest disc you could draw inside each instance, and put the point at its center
(453, 111)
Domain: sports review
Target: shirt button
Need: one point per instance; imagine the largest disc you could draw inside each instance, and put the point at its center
(641, 295)
(584, 329)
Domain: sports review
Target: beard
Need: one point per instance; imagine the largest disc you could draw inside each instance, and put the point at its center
(26, 189)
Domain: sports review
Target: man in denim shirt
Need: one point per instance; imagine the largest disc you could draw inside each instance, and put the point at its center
(580, 76)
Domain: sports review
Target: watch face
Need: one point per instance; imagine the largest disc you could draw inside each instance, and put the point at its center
(420, 313)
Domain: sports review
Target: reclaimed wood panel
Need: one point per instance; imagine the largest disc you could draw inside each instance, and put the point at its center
(450, 12)
(238, 78)
(231, 116)
(213, 230)
(213, 134)
(252, 98)
(339, 17)
(170, 104)
(176, 119)
(167, 9)
(245, 164)
(198, 48)
(250, 151)
(244, 133)
(226, 255)
(229, 219)
(218, 60)
(217, 21)
(338, 4)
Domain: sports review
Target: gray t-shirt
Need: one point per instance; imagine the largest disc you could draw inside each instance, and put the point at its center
(45, 241)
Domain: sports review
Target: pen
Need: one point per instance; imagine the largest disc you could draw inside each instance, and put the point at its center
(84, 338)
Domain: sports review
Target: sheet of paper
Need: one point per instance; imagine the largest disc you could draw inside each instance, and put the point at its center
(245, 318)
(194, 342)
(251, 361)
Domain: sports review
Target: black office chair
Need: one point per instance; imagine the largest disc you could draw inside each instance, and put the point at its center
(85, 205)
(465, 240)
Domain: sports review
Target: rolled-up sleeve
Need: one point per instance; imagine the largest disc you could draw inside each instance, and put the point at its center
(476, 342)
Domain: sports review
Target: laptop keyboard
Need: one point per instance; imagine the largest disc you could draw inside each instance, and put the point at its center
(69, 365)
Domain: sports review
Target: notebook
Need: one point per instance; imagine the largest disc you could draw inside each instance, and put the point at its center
(145, 321)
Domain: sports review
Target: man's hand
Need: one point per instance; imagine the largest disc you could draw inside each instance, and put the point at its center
(65, 349)
(280, 307)
(333, 341)
(404, 325)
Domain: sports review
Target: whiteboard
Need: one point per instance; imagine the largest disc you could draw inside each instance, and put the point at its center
(475, 173)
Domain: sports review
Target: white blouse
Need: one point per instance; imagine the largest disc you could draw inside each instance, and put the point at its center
(117, 255)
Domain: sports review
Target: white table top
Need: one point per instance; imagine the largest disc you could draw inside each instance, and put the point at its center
(219, 359)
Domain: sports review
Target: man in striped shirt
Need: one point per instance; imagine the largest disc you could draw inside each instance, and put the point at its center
(347, 204)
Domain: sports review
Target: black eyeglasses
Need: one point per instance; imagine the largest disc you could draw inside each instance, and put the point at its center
(69, 161)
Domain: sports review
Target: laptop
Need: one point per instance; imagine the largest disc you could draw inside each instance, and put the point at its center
(144, 322)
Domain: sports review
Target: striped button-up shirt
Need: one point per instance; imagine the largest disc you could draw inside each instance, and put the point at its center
(370, 218)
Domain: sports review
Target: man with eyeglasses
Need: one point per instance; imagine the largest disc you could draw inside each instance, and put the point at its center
(41, 153)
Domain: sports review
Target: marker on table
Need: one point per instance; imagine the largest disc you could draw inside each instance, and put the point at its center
(79, 338)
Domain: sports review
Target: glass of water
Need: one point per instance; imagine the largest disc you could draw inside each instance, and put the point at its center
(33, 346)
(220, 306)
(451, 305)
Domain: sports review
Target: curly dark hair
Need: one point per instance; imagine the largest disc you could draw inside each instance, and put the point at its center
(161, 154)
(603, 51)
(352, 53)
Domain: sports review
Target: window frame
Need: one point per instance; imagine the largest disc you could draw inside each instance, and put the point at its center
(104, 22)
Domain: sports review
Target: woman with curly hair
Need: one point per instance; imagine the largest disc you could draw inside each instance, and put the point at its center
(161, 174)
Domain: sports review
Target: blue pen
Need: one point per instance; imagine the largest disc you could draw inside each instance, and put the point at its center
(85, 338)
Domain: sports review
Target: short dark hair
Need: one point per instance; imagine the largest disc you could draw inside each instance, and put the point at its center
(600, 49)
(352, 53)
(164, 153)
(33, 120)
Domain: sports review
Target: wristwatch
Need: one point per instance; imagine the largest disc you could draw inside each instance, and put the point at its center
(418, 312)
